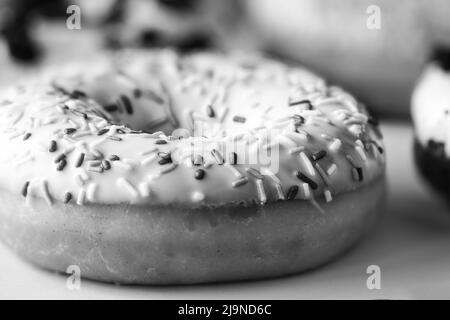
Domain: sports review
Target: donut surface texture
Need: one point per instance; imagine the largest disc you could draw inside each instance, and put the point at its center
(156, 168)
(430, 110)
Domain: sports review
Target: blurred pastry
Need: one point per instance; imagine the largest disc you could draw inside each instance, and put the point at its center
(183, 24)
(431, 115)
(380, 65)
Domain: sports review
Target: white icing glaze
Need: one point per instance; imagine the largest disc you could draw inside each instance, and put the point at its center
(325, 143)
(431, 107)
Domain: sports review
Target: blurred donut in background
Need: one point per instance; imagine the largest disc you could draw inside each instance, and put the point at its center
(29, 34)
(381, 65)
(183, 24)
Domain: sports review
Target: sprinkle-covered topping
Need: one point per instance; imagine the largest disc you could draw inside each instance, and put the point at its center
(100, 158)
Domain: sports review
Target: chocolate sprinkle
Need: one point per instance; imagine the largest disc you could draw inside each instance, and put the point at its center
(26, 136)
(102, 131)
(62, 156)
(76, 94)
(127, 104)
(199, 174)
(319, 155)
(233, 157)
(114, 157)
(61, 165)
(160, 141)
(210, 111)
(307, 180)
(298, 102)
(298, 120)
(137, 93)
(69, 130)
(106, 164)
(80, 160)
(164, 158)
(24, 191)
(165, 161)
(53, 146)
(292, 192)
(358, 173)
(67, 197)
(111, 107)
(239, 119)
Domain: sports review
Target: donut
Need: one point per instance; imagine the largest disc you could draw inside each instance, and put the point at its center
(379, 65)
(165, 168)
(430, 111)
(185, 24)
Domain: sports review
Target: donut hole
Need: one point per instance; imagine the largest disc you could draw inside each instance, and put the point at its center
(139, 107)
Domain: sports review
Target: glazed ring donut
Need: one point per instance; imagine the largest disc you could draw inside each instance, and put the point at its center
(155, 168)
(430, 111)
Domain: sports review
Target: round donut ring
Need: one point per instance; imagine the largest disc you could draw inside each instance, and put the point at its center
(156, 168)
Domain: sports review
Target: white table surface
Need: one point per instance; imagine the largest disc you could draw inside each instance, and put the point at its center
(410, 245)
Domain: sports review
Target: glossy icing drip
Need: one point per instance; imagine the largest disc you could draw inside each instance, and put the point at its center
(75, 135)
